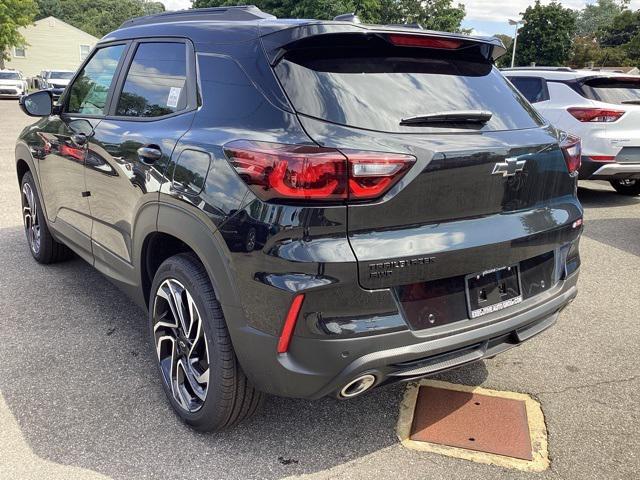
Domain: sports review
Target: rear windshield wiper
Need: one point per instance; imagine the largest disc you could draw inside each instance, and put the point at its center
(631, 102)
(461, 116)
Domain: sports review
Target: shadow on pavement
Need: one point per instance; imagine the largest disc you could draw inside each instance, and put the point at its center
(78, 375)
(601, 198)
(616, 232)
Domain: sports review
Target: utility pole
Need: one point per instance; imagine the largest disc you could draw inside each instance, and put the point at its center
(515, 39)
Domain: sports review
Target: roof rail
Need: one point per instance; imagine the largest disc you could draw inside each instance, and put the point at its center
(547, 69)
(228, 14)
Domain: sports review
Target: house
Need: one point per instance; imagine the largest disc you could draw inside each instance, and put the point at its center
(51, 44)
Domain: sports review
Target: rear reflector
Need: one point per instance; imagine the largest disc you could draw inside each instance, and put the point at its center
(602, 158)
(572, 151)
(424, 41)
(310, 173)
(290, 323)
(596, 114)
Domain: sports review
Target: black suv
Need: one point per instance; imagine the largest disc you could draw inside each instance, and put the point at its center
(306, 208)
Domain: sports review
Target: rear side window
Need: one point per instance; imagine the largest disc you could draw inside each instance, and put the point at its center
(613, 90)
(88, 94)
(533, 89)
(375, 88)
(156, 81)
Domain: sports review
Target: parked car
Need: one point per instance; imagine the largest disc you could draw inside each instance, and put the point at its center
(54, 80)
(602, 108)
(318, 208)
(36, 81)
(12, 84)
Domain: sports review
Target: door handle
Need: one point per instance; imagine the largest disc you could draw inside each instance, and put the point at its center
(149, 154)
(79, 139)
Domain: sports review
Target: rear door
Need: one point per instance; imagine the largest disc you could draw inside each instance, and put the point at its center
(152, 108)
(480, 195)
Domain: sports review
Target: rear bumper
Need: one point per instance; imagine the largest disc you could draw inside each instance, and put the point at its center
(618, 170)
(595, 170)
(397, 356)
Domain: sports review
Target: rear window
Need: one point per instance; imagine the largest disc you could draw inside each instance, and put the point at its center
(613, 90)
(375, 88)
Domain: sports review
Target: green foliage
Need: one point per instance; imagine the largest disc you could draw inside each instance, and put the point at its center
(97, 17)
(598, 15)
(586, 52)
(621, 30)
(431, 14)
(13, 15)
(547, 35)
(49, 8)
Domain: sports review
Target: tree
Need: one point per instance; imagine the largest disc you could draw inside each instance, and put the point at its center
(49, 8)
(97, 17)
(547, 35)
(621, 30)
(13, 15)
(596, 16)
(431, 14)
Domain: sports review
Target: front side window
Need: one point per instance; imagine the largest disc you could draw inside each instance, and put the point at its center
(88, 94)
(156, 81)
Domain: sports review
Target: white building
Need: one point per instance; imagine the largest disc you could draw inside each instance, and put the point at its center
(51, 44)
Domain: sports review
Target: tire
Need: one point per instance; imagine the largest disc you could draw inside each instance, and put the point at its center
(198, 367)
(626, 186)
(250, 240)
(44, 248)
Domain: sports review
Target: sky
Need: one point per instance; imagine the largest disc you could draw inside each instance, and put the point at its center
(485, 17)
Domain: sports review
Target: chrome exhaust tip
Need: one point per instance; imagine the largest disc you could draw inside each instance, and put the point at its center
(357, 386)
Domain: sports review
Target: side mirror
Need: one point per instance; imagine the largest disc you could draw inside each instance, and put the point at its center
(38, 104)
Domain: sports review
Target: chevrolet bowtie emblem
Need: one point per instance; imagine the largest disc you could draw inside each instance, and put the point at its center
(509, 168)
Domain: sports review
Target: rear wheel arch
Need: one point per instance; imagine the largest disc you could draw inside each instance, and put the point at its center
(179, 231)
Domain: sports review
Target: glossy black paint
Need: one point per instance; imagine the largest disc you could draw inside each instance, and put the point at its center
(448, 217)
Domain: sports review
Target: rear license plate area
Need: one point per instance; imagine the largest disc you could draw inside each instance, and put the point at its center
(493, 290)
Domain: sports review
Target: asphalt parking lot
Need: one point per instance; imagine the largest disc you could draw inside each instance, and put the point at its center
(79, 396)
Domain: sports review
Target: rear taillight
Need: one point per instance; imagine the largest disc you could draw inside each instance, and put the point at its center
(572, 151)
(309, 173)
(596, 114)
(424, 41)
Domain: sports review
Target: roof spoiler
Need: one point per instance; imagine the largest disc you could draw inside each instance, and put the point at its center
(277, 43)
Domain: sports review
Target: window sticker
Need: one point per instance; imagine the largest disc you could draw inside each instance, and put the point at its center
(174, 96)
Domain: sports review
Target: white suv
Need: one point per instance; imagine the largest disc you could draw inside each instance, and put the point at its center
(603, 108)
(12, 84)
